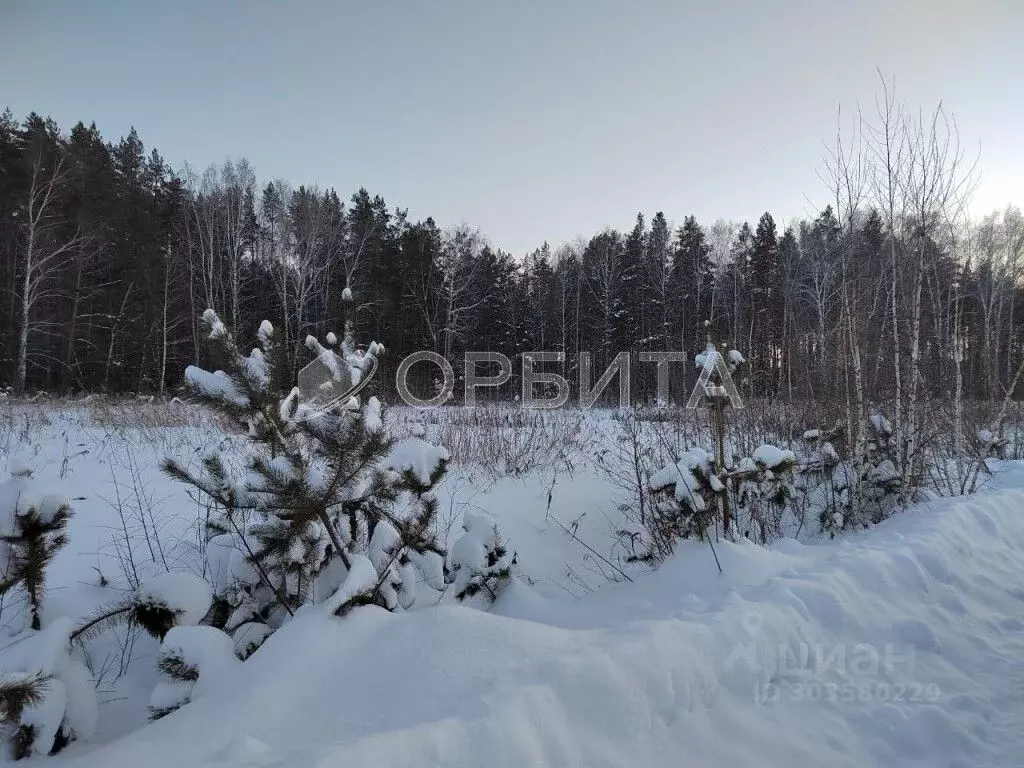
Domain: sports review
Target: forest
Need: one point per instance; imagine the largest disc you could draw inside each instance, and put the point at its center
(891, 292)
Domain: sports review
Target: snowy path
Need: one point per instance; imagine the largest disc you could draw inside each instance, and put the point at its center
(918, 621)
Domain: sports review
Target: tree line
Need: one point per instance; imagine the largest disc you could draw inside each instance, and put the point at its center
(109, 257)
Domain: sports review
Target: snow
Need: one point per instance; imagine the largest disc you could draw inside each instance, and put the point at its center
(688, 476)
(170, 694)
(46, 715)
(266, 330)
(372, 421)
(186, 595)
(917, 664)
(881, 424)
(67, 692)
(383, 544)
(895, 646)
(362, 576)
(50, 506)
(702, 359)
(771, 457)
(471, 547)
(732, 358)
(416, 454)
(209, 651)
(217, 327)
(216, 384)
(248, 637)
(885, 472)
(256, 367)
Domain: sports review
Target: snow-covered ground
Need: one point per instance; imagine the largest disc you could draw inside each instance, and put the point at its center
(900, 645)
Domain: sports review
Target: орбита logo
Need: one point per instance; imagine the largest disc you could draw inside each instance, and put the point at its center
(332, 380)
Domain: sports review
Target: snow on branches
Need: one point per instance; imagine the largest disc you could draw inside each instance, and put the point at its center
(689, 492)
(327, 501)
(47, 696)
(32, 531)
(192, 660)
(480, 563)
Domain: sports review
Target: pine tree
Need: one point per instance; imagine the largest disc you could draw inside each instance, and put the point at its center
(629, 307)
(41, 677)
(173, 599)
(691, 286)
(34, 530)
(658, 266)
(480, 562)
(322, 483)
(47, 697)
(764, 302)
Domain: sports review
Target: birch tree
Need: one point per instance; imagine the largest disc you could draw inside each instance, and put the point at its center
(44, 252)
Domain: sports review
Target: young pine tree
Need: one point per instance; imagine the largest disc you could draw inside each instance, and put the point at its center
(480, 562)
(32, 532)
(47, 696)
(322, 500)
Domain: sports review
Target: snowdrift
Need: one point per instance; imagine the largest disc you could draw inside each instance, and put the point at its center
(903, 645)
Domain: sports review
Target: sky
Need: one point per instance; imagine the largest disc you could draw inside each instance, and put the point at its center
(534, 121)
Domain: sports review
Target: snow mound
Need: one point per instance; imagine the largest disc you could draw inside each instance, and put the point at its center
(770, 457)
(184, 594)
(416, 454)
(206, 650)
(68, 693)
(899, 646)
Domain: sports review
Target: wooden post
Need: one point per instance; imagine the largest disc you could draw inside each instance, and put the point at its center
(718, 433)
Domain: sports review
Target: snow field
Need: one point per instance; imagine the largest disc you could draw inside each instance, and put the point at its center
(897, 646)
(918, 620)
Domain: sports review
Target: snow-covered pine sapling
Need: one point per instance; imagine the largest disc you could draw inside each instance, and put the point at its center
(400, 547)
(822, 480)
(47, 695)
(480, 562)
(686, 494)
(32, 531)
(318, 497)
(864, 490)
(881, 483)
(764, 488)
(18, 691)
(192, 660)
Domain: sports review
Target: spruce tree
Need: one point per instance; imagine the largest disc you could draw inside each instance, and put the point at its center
(691, 285)
(630, 303)
(658, 268)
(765, 304)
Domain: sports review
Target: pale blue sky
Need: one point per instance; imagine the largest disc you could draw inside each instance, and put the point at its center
(531, 120)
